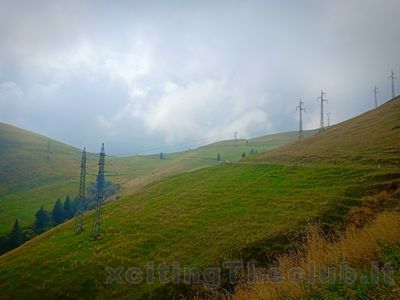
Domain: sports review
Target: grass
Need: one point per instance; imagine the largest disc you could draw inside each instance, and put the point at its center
(372, 138)
(223, 212)
(358, 251)
(29, 180)
(216, 214)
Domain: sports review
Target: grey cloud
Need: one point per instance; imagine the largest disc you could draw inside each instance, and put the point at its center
(155, 74)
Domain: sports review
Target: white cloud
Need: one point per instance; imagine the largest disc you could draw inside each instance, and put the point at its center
(9, 89)
(97, 63)
(202, 109)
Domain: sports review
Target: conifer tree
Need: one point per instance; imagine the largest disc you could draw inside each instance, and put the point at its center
(58, 213)
(42, 220)
(68, 208)
(16, 236)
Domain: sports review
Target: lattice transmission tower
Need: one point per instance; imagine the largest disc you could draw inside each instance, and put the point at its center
(99, 196)
(322, 100)
(81, 196)
(300, 108)
(393, 78)
(375, 91)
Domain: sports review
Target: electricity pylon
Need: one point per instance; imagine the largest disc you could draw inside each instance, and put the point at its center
(392, 77)
(322, 100)
(300, 108)
(328, 117)
(99, 196)
(82, 195)
(376, 96)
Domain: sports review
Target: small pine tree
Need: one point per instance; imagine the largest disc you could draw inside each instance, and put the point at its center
(68, 208)
(16, 236)
(42, 220)
(58, 213)
(218, 157)
(161, 156)
(243, 154)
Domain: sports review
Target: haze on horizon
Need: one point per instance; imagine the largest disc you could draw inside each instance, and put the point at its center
(151, 76)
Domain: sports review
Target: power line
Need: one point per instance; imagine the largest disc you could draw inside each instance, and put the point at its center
(82, 195)
(300, 108)
(322, 100)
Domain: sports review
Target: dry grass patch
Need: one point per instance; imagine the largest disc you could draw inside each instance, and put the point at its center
(301, 269)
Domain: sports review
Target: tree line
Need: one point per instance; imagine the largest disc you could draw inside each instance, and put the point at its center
(44, 220)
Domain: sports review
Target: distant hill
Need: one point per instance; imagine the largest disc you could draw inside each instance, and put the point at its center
(24, 160)
(36, 170)
(371, 138)
(226, 212)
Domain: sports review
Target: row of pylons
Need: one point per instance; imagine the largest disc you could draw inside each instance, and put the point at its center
(79, 220)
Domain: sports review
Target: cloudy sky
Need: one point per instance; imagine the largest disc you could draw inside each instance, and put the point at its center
(152, 76)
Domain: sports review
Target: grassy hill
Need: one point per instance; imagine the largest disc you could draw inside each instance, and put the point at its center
(31, 178)
(371, 138)
(28, 178)
(225, 212)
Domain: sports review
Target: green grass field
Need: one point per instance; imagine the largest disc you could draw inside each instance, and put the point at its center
(218, 213)
(29, 179)
(223, 212)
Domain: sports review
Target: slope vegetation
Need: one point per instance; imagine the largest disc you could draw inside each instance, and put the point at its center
(371, 138)
(31, 176)
(200, 219)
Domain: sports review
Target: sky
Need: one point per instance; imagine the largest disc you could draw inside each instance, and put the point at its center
(156, 76)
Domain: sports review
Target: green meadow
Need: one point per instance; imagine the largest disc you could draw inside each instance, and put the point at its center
(31, 178)
(240, 210)
(199, 219)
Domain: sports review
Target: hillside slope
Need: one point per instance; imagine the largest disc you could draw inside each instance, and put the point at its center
(30, 177)
(371, 138)
(200, 219)
(24, 158)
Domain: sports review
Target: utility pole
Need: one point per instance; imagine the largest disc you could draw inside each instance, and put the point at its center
(235, 134)
(322, 100)
(300, 108)
(99, 196)
(376, 96)
(82, 195)
(328, 115)
(392, 77)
